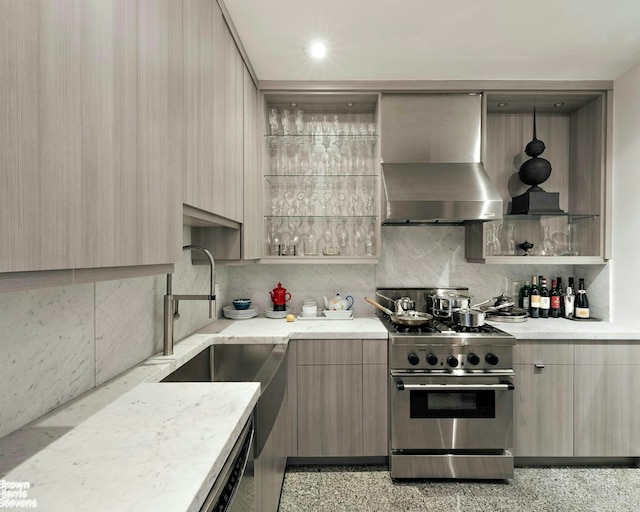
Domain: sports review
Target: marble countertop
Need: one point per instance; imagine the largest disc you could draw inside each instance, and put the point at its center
(157, 447)
(563, 329)
(134, 403)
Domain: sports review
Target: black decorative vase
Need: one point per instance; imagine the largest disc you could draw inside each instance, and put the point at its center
(534, 171)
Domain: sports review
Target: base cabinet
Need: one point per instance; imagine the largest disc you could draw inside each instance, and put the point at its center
(577, 399)
(270, 466)
(607, 402)
(543, 411)
(341, 405)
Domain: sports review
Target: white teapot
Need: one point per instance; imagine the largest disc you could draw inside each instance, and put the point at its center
(337, 303)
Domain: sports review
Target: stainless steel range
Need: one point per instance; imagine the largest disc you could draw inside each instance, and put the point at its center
(451, 395)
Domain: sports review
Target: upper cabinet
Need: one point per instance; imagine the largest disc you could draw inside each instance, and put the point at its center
(213, 109)
(321, 178)
(90, 131)
(574, 128)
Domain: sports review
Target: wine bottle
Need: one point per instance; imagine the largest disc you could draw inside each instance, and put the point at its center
(554, 312)
(569, 300)
(561, 295)
(534, 299)
(523, 299)
(582, 302)
(545, 299)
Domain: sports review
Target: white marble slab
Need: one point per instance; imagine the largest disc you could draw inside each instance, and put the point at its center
(157, 448)
(261, 330)
(562, 329)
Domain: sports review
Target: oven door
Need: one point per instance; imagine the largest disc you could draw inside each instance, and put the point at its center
(451, 412)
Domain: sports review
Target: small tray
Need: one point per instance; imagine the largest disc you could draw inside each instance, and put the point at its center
(590, 319)
(338, 315)
(323, 318)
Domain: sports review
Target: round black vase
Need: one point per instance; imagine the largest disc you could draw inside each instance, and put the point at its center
(535, 171)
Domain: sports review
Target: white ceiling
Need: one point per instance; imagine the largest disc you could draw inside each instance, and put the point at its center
(440, 39)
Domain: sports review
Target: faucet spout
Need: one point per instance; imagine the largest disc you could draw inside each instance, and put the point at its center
(170, 300)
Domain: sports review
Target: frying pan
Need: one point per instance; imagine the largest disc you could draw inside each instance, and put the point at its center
(408, 318)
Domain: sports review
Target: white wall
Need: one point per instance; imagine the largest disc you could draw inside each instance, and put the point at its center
(625, 271)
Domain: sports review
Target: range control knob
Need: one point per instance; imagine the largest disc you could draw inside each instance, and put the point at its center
(473, 358)
(491, 358)
(432, 359)
(452, 361)
(413, 359)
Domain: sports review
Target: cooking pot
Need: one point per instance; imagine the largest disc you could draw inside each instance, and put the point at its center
(406, 318)
(444, 303)
(402, 304)
(472, 317)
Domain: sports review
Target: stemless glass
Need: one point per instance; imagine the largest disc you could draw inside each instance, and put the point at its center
(285, 119)
(273, 120)
(298, 118)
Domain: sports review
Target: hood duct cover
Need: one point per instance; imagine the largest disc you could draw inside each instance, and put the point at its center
(448, 193)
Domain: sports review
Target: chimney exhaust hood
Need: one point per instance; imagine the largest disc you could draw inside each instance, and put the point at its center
(438, 193)
(432, 173)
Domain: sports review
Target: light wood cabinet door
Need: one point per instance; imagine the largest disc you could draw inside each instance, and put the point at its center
(214, 118)
(329, 410)
(90, 119)
(607, 402)
(375, 415)
(252, 226)
(543, 411)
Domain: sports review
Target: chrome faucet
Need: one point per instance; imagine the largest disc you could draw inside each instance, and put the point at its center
(171, 301)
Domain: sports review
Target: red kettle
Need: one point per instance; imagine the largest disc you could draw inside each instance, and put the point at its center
(279, 297)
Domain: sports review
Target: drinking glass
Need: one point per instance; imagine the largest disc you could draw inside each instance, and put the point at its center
(285, 120)
(343, 237)
(273, 120)
(311, 243)
(298, 117)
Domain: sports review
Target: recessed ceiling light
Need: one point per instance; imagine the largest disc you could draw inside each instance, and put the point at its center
(559, 104)
(293, 104)
(350, 104)
(502, 104)
(317, 50)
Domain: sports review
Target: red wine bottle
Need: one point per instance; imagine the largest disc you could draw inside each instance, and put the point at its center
(545, 299)
(534, 299)
(554, 312)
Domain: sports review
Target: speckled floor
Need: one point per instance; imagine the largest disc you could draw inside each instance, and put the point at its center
(369, 488)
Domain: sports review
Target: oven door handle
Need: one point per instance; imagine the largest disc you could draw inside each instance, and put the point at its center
(505, 386)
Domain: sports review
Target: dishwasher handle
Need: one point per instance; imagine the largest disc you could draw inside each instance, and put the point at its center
(502, 386)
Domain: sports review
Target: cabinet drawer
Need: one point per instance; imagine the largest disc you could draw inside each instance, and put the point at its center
(607, 352)
(543, 352)
(374, 351)
(329, 352)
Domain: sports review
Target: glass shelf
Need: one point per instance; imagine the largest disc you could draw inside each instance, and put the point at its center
(537, 216)
(309, 140)
(322, 217)
(319, 179)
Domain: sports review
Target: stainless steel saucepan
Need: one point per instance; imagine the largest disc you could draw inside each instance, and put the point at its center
(401, 304)
(406, 318)
(471, 317)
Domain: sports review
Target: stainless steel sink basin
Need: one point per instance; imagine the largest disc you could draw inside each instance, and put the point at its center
(263, 363)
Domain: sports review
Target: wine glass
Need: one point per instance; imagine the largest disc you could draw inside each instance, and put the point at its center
(343, 236)
(273, 120)
(327, 233)
(370, 239)
(357, 237)
(311, 243)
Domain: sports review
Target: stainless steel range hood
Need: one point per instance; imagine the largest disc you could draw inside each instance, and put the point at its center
(438, 193)
(433, 171)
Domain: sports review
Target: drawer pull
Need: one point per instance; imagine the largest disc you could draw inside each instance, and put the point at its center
(539, 366)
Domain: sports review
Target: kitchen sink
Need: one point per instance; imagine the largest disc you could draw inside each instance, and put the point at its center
(246, 362)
